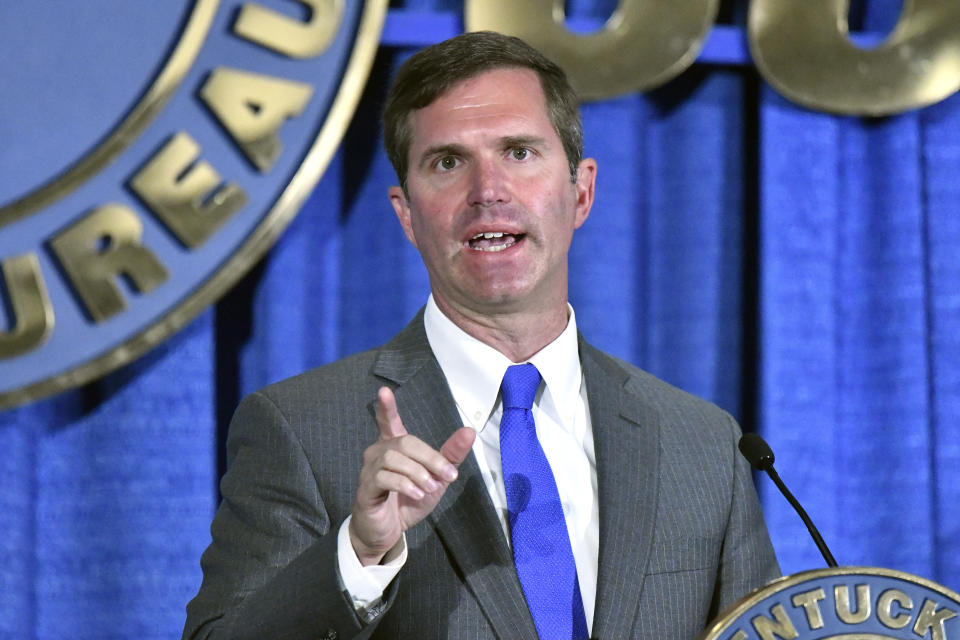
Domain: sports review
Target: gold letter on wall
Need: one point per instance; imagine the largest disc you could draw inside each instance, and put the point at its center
(643, 44)
(803, 49)
(32, 319)
(101, 247)
(288, 36)
(253, 107)
(189, 200)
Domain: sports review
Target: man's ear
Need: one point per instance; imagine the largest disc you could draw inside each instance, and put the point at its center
(402, 208)
(586, 181)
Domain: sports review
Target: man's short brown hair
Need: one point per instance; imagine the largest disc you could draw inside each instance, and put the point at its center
(434, 70)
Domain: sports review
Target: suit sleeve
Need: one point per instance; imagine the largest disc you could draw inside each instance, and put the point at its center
(747, 559)
(271, 568)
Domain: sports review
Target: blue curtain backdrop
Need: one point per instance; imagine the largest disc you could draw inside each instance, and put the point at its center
(799, 269)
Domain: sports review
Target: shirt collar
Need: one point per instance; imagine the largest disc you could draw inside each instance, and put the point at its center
(474, 370)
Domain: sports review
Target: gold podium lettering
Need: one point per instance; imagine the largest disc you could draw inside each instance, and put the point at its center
(288, 36)
(885, 608)
(931, 619)
(643, 44)
(809, 601)
(252, 108)
(32, 319)
(803, 49)
(187, 195)
(780, 627)
(841, 593)
(101, 247)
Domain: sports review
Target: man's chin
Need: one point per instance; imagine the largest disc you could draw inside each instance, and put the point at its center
(502, 300)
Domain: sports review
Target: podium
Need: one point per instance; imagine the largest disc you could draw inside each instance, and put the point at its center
(842, 603)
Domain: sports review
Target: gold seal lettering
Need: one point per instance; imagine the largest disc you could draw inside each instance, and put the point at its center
(931, 619)
(885, 608)
(291, 37)
(643, 44)
(252, 108)
(802, 48)
(780, 627)
(187, 195)
(841, 594)
(32, 319)
(809, 601)
(101, 247)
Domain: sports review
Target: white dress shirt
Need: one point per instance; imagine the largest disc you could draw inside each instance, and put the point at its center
(474, 371)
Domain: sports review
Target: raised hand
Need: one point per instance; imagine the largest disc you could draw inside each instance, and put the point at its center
(401, 481)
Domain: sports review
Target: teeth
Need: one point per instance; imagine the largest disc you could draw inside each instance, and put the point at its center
(484, 241)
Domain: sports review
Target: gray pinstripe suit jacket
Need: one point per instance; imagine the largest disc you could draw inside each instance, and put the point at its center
(681, 533)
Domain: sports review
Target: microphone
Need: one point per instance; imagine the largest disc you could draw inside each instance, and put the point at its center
(758, 453)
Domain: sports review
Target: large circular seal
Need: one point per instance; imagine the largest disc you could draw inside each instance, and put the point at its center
(845, 603)
(152, 153)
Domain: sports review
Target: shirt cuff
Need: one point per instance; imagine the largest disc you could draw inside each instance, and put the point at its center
(365, 585)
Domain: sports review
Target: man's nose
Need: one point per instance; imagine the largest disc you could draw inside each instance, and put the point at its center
(489, 184)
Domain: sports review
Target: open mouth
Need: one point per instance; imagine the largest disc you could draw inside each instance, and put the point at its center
(491, 241)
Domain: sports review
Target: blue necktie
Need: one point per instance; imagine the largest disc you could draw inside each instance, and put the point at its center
(538, 530)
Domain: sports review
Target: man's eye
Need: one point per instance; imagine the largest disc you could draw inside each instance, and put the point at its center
(447, 162)
(520, 153)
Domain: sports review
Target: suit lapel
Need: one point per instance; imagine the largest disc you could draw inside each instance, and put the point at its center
(627, 445)
(464, 520)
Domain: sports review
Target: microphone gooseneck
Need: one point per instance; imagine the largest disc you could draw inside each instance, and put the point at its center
(760, 456)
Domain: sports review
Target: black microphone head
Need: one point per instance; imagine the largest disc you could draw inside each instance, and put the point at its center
(756, 450)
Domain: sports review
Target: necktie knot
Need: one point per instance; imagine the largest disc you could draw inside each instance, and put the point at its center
(519, 386)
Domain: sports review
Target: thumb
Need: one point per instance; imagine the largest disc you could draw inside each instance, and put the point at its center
(457, 446)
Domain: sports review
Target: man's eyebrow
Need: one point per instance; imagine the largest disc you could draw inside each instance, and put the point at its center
(522, 141)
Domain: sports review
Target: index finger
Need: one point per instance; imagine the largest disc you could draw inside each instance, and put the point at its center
(388, 418)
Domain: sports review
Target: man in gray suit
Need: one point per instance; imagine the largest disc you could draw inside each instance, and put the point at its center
(354, 506)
